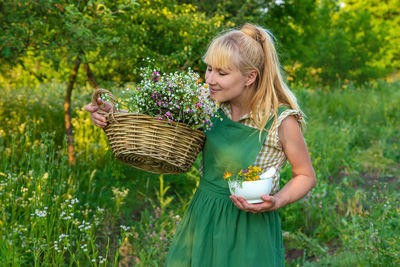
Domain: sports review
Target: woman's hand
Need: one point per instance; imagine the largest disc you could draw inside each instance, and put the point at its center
(270, 203)
(98, 119)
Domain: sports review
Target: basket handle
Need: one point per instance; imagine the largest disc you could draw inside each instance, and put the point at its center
(96, 94)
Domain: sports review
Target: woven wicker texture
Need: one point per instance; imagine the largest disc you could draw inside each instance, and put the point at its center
(150, 144)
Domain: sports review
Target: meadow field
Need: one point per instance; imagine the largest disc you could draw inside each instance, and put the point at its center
(101, 212)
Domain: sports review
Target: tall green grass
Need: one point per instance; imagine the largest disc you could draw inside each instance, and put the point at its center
(101, 212)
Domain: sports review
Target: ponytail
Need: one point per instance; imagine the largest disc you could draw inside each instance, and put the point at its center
(252, 48)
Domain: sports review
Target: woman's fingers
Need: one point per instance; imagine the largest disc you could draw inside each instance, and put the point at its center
(99, 123)
(267, 205)
(107, 106)
(98, 120)
(237, 202)
(90, 108)
(104, 105)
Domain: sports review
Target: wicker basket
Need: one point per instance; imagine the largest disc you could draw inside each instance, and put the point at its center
(150, 144)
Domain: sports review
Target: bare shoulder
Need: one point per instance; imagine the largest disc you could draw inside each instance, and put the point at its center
(289, 131)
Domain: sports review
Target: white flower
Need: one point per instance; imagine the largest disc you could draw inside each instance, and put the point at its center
(125, 228)
(40, 213)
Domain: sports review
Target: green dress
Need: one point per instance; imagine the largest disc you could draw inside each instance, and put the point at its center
(213, 231)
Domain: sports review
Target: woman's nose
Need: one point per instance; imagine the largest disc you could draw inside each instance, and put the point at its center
(210, 78)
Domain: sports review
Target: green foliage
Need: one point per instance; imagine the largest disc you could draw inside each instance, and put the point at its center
(320, 42)
(115, 36)
(174, 35)
(385, 21)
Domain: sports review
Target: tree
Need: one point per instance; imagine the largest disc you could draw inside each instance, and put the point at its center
(109, 38)
(61, 31)
(384, 18)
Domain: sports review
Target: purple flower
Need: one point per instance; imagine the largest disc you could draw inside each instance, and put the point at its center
(168, 113)
(156, 76)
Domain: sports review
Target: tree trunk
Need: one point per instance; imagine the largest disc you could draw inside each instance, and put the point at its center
(67, 110)
(90, 75)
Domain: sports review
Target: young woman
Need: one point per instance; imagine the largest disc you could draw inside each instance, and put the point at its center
(219, 229)
(261, 126)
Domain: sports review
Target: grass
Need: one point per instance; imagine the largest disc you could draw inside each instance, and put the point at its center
(101, 212)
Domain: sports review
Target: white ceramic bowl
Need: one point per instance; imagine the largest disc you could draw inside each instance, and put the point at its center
(251, 190)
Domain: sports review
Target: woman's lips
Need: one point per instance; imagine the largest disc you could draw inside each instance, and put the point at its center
(214, 90)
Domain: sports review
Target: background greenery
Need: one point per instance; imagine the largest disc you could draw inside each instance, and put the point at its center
(340, 57)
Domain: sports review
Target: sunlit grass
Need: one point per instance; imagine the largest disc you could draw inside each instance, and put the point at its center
(100, 211)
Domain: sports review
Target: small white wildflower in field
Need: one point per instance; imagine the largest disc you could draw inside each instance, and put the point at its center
(39, 213)
(125, 228)
(101, 259)
(100, 209)
(74, 200)
(60, 237)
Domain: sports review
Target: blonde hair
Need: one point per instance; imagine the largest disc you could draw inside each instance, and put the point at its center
(252, 48)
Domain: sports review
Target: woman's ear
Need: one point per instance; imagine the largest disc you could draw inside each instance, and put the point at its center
(251, 77)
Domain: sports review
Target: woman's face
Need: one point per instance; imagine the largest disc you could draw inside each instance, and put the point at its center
(226, 84)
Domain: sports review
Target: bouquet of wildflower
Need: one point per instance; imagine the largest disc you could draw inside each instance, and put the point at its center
(252, 173)
(174, 97)
(250, 183)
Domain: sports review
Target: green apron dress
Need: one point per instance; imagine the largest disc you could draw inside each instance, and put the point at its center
(214, 232)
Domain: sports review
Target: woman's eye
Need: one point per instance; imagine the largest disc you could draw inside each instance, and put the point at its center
(222, 74)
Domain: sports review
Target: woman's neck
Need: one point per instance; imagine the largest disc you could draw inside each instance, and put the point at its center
(238, 110)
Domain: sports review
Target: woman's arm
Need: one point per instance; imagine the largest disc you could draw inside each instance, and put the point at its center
(292, 141)
(295, 148)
